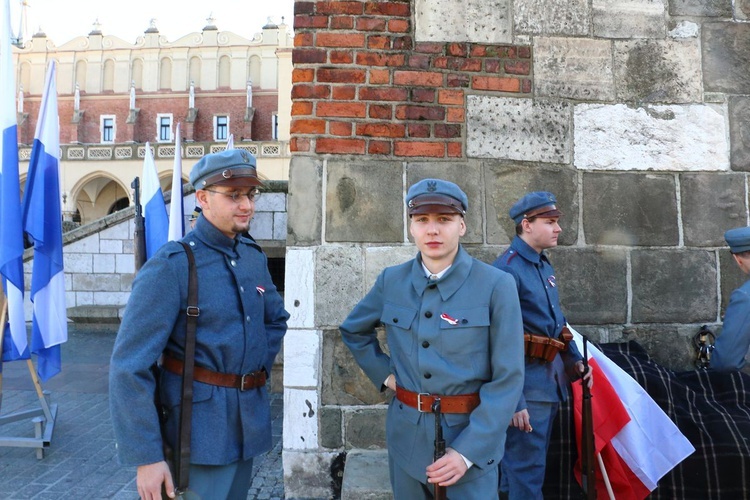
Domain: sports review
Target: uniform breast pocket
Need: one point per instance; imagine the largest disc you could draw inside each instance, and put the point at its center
(398, 320)
(465, 331)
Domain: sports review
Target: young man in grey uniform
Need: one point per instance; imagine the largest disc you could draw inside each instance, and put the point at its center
(731, 348)
(239, 331)
(455, 333)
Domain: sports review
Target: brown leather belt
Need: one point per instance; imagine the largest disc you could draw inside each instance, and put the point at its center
(462, 403)
(242, 382)
(543, 348)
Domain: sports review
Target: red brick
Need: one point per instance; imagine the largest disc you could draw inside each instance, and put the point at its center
(388, 9)
(457, 49)
(340, 146)
(343, 75)
(371, 24)
(301, 108)
(379, 148)
(492, 65)
(376, 42)
(303, 126)
(383, 94)
(417, 148)
(526, 86)
(302, 75)
(429, 47)
(300, 91)
(380, 76)
(308, 56)
(440, 62)
(381, 111)
(419, 61)
(381, 129)
(399, 26)
(380, 59)
(342, 23)
(524, 52)
(423, 95)
(456, 115)
(325, 39)
(455, 150)
(403, 43)
(308, 22)
(420, 130)
(451, 96)
(304, 8)
(301, 144)
(516, 67)
(418, 78)
(345, 93)
(444, 131)
(458, 80)
(304, 39)
(496, 83)
(343, 129)
(353, 8)
(341, 57)
(478, 51)
(420, 112)
(341, 109)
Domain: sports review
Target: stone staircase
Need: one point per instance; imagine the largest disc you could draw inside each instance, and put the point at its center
(366, 476)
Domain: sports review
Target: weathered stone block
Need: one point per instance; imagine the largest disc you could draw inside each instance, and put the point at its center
(726, 57)
(691, 137)
(279, 225)
(669, 346)
(574, 68)
(593, 284)
(711, 203)
(518, 129)
(124, 263)
(116, 232)
(299, 287)
(364, 428)
(669, 286)
(111, 298)
(485, 253)
(110, 246)
(628, 18)
(103, 263)
(300, 419)
(74, 263)
(739, 132)
(468, 177)
(307, 474)
(305, 201)
(261, 226)
(330, 427)
(732, 278)
(360, 207)
(550, 17)
(302, 357)
(96, 282)
(271, 202)
(338, 283)
(701, 8)
(378, 258)
(663, 71)
(343, 381)
(630, 209)
(507, 183)
(742, 9)
(481, 21)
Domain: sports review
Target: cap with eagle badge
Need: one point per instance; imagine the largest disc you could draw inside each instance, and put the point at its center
(535, 204)
(436, 196)
(232, 167)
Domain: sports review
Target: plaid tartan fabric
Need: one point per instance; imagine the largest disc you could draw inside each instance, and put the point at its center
(712, 409)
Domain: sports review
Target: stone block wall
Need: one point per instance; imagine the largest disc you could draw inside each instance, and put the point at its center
(635, 114)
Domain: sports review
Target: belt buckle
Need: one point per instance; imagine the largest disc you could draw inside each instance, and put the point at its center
(419, 401)
(242, 382)
(193, 311)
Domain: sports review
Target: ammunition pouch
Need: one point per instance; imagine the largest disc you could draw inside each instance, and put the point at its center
(543, 348)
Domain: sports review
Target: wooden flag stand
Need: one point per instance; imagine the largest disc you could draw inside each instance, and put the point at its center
(43, 417)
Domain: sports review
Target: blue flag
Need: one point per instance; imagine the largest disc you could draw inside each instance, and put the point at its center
(155, 216)
(13, 335)
(42, 220)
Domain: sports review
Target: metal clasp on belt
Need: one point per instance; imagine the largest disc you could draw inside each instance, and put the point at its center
(419, 401)
(193, 311)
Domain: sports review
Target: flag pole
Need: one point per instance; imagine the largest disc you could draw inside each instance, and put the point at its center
(605, 476)
(3, 316)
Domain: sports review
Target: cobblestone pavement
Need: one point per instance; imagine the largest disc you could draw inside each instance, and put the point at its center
(81, 462)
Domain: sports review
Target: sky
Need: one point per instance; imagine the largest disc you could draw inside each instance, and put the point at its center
(63, 20)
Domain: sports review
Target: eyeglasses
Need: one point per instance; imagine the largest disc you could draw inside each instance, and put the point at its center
(237, 196)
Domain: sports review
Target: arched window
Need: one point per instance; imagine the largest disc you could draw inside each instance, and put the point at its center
(108, 76)
(25, 76)
(81, 75)
(195, 71)
(165, 74)
(254, 70)
(137, 73)
(225, 67)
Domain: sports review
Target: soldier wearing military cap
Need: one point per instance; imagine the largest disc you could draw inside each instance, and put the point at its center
(454, 334)
(550, 358)
(731, 348)
(239, 332)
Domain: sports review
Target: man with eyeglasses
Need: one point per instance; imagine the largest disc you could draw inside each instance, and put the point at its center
(239, 331)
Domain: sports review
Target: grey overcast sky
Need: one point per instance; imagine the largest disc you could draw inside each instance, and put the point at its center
(63, 20)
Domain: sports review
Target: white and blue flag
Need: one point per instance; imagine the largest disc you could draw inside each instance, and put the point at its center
(176, 211)
(42, 220)
(13, 336)
(155, 217)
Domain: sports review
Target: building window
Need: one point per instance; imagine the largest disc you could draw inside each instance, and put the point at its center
(108, 128)
(221, 128)
(164, 128)
(275, 127)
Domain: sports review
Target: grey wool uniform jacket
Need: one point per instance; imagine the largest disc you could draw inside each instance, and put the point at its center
(240, 328)
(461, 335)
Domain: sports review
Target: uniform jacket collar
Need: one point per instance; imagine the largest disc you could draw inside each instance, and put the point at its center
(451, 280)
(524, 250)
(212, 237)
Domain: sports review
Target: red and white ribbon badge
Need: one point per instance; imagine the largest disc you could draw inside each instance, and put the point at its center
(260, 289)
(449, 319)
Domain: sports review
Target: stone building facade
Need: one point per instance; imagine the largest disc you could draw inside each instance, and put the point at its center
(114, 96)
(634, 113)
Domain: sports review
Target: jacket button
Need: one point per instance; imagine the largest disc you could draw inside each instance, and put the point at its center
(428, 314)
(395, 320)
(432, 287)
(428, 375)
(425, 344)
(464, 321)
